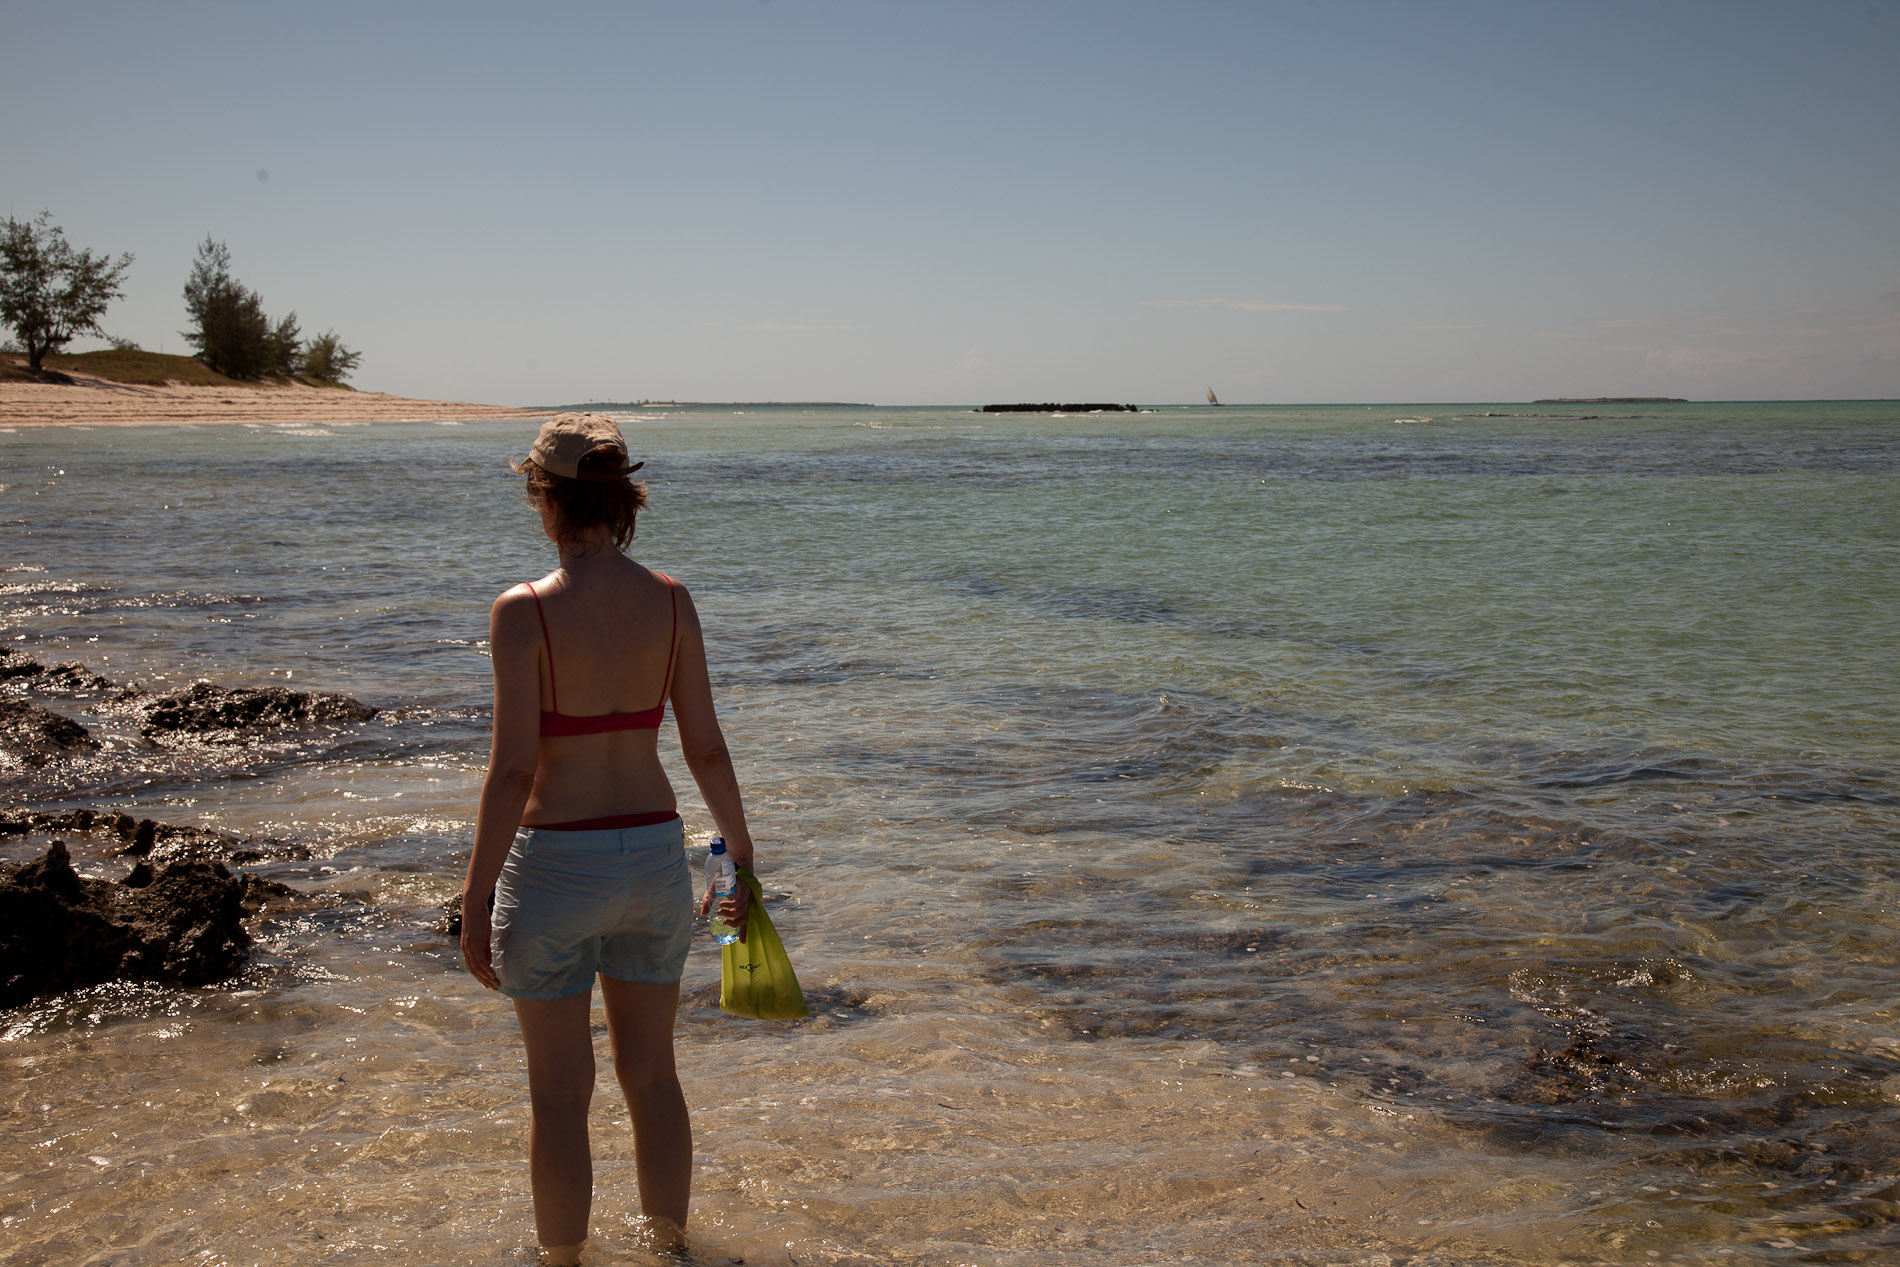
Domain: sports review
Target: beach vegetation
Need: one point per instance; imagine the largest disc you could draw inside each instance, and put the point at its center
(228, 327)
(326, 360)
(283, 348)
(234, 337)
(51, 293)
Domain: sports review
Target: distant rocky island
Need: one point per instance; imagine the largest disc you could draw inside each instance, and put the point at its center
(1060, 409)
(1611, 400)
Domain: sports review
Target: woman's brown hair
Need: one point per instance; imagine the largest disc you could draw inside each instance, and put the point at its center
(605, 493)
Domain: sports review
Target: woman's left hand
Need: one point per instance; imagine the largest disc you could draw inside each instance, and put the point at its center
(733, 910)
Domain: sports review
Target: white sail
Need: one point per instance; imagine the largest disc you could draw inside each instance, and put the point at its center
(1212, 399)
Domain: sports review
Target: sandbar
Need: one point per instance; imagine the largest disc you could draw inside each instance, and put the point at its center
(92, 401)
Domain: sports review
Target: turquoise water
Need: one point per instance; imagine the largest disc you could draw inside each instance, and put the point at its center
(1245, 834)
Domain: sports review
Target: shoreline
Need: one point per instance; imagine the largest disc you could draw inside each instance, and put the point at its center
(90, 401)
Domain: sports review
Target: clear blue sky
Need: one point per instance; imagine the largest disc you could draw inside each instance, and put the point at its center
(910, 202)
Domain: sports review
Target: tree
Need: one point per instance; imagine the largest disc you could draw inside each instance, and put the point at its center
(234, 337)
(49, 293)
(327, 360)
(229, 328)
(284, 348)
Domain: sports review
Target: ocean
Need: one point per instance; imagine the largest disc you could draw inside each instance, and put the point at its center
(1438, 834)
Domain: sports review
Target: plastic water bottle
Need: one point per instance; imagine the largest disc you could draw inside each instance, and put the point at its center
(724, 881)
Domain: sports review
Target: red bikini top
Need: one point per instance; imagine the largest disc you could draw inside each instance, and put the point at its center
(557, 722)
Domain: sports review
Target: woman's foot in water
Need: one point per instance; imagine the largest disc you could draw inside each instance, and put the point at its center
(663, 1235)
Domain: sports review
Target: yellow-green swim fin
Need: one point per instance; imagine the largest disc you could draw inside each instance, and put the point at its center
(755, 977)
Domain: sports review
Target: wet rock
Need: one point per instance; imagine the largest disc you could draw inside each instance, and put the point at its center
(450, 925)
(14, 664)
(70, 676)
(73, 676)
(231, 714)
(144, 836)
(161, 843)
(38, 735)
(59, 931)
(257, 893)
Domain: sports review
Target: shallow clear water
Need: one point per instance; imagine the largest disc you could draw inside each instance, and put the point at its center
(1339, 834)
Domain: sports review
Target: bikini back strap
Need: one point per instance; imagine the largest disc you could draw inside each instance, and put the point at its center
(673, 639)
(553, 694)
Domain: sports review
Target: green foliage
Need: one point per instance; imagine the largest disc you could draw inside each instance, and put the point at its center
(123, 345)
(283, 348)
(234, 337)
(228, 325)
(50, 293)
(326, 360)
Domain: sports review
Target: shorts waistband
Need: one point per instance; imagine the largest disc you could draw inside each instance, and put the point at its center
(613, 822)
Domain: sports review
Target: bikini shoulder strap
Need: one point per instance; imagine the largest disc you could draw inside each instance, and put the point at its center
(673, 639)
(546, 642)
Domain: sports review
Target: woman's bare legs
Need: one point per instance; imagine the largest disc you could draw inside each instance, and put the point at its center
(560, 1043)
(640, 1022)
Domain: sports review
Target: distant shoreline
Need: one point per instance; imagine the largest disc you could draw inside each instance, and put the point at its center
(623, 405)
(1612, 400)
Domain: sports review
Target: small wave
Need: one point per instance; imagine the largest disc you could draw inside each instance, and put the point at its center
(46, 587)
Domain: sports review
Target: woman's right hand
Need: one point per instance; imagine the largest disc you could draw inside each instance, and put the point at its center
(477, 953)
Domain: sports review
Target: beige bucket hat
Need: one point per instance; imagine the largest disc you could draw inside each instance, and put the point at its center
(567, 438)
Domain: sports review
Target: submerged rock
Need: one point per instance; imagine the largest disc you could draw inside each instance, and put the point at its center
(14, 664)
(37, 735)
(145, 838)
(71, 676)
(229, 714)
(60, 931)
(450, 925)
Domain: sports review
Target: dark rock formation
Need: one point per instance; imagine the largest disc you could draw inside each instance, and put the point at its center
(159, 842)
(450, 925)
(37, 735)
(1061, 409)
(15, 665)
(59, 932)
(256, 893)
(71, 676)
(229, 715)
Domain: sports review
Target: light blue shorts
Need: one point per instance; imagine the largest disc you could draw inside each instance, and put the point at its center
(573, 903)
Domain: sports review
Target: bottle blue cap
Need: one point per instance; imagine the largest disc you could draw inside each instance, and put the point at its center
(719, 844)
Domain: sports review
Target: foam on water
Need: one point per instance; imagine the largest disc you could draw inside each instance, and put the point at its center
(1215, 836)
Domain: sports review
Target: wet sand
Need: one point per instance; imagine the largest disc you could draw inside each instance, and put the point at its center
(91, 401)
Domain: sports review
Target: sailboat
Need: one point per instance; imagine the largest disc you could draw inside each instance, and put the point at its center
(1212, 399)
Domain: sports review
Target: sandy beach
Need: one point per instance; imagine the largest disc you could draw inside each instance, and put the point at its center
(92, 401)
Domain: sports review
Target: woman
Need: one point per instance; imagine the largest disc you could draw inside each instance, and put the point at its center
(578, 842)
